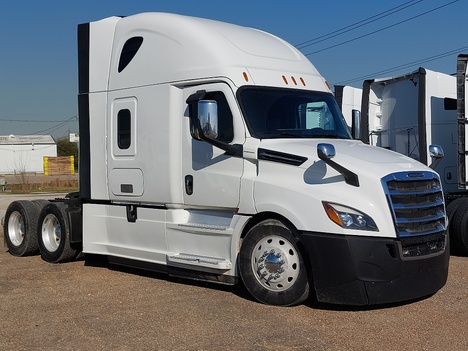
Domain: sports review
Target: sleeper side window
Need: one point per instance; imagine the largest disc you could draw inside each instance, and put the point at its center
(124, 132)
(225, 119)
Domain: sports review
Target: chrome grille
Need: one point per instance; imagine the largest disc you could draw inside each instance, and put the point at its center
(417, 203)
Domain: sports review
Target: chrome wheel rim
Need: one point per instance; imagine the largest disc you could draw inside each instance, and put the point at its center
(16, 228)
(275, 263)
(51, 233)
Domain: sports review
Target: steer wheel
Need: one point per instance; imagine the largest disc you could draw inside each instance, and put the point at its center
(271, 265)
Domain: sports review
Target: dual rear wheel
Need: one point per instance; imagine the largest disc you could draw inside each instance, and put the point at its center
(38, 226)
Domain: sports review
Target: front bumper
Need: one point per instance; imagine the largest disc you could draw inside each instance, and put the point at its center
(356, 270)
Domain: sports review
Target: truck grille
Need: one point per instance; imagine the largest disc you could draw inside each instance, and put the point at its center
(418, 209)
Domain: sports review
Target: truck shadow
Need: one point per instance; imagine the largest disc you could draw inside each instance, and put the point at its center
(238, 289)
(358, 308)
(102, 262)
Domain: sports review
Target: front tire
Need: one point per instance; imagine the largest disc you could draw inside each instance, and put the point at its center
(271, 265)
(458, 228)
(54, 234)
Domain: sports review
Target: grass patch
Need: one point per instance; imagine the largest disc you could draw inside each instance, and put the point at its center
(54, 185)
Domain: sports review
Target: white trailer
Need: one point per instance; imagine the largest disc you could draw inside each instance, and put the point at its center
(349, 100)
(217, 152)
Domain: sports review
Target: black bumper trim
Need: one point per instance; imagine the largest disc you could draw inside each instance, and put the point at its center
(356, 270)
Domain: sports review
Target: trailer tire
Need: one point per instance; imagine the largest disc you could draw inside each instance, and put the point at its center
(20, 228)
(54, 234)
(458, 230)
(283, 280)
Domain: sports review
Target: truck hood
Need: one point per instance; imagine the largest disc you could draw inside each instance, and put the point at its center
(293, 181)
(352, 154)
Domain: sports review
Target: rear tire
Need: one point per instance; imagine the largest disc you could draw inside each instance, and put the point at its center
(271, 265)
(20, 228)
(54, 234)
(40, 203)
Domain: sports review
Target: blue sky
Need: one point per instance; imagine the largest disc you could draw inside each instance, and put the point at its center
(38, 55)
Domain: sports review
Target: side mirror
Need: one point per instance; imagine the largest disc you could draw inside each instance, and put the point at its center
(208, 118)
(325, 151)
(437, 153)
(356, 124)
(206, 124)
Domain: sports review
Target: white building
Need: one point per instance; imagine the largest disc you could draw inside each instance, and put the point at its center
(25, 153)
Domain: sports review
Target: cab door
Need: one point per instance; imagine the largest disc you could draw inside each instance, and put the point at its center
(212, 178)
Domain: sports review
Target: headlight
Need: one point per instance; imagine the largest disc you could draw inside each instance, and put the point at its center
(349, 218)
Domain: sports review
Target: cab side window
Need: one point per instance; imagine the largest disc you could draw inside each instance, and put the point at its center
(225, 119)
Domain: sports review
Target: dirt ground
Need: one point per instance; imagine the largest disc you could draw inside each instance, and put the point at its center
(90, 305)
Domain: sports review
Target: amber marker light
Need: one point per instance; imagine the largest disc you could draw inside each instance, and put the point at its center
(246, 77)
(332, 214)
(294, 80)
(285, 80)
(302, 81)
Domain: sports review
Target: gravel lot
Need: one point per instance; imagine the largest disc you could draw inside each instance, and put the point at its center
(90, 305)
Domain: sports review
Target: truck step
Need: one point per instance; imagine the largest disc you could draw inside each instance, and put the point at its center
(200, 228)
(200, 261)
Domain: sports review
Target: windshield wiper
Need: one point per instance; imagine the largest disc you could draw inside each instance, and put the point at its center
(278, 134)
(325, 135)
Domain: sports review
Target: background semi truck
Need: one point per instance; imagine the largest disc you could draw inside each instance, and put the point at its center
(217, 152)
(409, 112)
(459, 207)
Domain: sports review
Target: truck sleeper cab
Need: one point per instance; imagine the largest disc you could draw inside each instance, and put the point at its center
(218, 152)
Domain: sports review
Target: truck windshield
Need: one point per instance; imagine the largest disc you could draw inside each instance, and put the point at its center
(287, 113)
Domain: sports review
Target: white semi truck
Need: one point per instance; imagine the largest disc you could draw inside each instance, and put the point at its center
(408, 112)
(458, 208)
(217, 152)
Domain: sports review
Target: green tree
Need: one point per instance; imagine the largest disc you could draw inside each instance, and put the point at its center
(66, 148)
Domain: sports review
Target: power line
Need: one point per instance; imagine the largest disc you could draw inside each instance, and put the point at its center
(382, 29)
(56, 127)
(405, 65)
(357, 24)
(60, 124)
(34, 120)
(51, 129)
